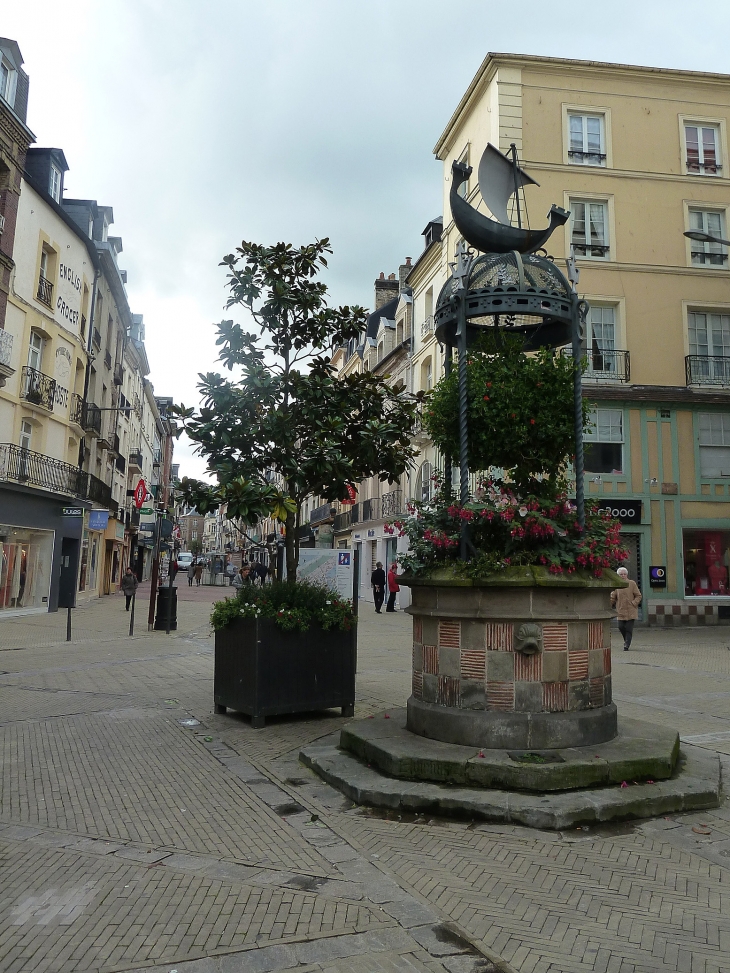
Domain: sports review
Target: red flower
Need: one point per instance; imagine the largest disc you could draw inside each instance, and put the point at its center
(486, 398)
(532, 422)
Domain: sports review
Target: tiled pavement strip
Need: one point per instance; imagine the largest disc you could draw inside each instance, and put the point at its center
(133, 838)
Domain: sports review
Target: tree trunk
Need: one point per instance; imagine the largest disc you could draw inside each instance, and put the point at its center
(292, 546)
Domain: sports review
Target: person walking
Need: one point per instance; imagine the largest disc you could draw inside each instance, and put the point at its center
(191, 573)
(198, 572)
(377, 582)
(626, 601)
(393, 587)
(231, 572)
(129, 585)
(242, 577)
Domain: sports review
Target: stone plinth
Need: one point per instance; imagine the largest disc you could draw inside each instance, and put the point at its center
(519, 661)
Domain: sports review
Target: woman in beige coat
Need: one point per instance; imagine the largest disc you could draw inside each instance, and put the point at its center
(626, 601)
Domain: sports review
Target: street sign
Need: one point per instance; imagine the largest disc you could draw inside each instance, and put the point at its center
(72, 511)
(147, 511)
(140, 494)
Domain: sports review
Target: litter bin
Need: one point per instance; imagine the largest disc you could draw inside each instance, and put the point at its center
(165, 595)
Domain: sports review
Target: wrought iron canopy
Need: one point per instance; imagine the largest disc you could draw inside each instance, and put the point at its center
(520, 294)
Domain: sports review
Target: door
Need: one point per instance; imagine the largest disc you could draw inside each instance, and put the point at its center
(69, 569)
(632, 542)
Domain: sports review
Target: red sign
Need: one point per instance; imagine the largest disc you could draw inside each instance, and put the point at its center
(140, 494)
(351, 495)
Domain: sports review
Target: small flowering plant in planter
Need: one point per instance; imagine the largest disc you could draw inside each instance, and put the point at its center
(509, 531)
(292, 606)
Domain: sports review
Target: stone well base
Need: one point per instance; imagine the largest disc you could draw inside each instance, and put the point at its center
(641, 751)
(505, 730)
(694, 784)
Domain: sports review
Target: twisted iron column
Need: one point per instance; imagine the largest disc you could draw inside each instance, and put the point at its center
(448, 362)
(580, 310)
(463, 427)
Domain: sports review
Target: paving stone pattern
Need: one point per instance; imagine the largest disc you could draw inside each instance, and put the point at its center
(141, 832)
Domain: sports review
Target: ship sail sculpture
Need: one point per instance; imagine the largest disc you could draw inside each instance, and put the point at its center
(499, 179)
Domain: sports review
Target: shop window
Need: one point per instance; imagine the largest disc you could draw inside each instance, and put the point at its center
(25, 567)
(706, 559)
(603, 442)
(714, 444)
(587, 139)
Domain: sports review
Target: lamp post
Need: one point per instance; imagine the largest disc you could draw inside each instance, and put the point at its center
(703, 237)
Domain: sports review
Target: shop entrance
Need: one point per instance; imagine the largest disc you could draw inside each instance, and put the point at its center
(632, 542)
(69, 567)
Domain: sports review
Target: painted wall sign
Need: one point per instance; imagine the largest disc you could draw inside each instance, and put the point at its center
(627, 511)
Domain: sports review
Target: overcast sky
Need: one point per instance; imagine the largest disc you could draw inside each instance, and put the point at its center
(205, 123)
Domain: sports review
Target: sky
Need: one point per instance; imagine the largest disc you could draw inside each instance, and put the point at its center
(206, 123)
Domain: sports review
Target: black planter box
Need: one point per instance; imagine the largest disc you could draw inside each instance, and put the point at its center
(261, 670)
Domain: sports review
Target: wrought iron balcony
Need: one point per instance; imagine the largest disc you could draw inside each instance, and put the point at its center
(391, 504)
(45, 291)
(35, 469)
(37, 388)
(590, 249)
(612, 366)
(371, 509)
(135, 460)
(707, 168)
(100, 492)
(342, 520)
(589, 158)
(91, 420)
(708, 370)
(76, 413)
(118, 373)
(427, 326)
(6, 347)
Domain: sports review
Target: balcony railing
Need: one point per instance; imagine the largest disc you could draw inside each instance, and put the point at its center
(427, 326)
(613, 365)
(135, 460)
(707, 370)
(118, 373)
(108, 359)
(91, 419)
(37, 388)
(98, 491)
(76, 413)
(590, 249)
(709, 167)
(35, 469)
(391, 504)
(590, 158)
(6, 347)
(45, 291)
(96, 337)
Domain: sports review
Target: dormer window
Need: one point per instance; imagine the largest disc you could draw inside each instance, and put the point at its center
(54, 183)
(7, 81)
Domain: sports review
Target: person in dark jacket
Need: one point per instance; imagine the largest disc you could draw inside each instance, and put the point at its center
(377, 581)
(393, 587)
(129, 585)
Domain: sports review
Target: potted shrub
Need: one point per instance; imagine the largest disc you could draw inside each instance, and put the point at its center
(284, 648)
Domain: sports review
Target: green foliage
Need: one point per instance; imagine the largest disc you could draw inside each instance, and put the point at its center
(288, 413)
(507, 530)
(291, 606)
(520, 413)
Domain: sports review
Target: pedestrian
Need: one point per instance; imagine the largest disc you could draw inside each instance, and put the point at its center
(231, 571)
(626, 601)
(261, 572)
(242, 577)
(191, 572)
(377, 582)
(393, 587)
(198, 572)
(129, 585)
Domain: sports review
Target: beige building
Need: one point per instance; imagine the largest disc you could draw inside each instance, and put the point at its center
(638, 156)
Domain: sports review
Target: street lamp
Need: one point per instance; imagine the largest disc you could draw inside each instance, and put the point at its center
(703, 237)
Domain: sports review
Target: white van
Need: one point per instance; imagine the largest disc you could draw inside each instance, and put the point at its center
(184, 560)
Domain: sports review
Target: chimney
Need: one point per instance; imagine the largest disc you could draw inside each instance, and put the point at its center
(403, 271)
(385, 290)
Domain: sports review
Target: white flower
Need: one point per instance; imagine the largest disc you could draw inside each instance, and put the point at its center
(523, 511)
(328, 603)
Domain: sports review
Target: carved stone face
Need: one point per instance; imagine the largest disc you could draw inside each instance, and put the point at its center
(528, 639)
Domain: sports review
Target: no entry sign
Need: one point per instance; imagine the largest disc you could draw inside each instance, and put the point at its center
(140, 494)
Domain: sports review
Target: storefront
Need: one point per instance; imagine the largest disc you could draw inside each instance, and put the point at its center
(37, 530)
(113, 545)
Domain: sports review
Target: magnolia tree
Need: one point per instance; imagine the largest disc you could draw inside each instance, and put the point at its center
(285, 426)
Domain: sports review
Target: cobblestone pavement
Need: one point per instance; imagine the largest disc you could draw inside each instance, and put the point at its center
(139, 831)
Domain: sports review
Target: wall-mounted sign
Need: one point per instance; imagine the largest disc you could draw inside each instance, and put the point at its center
(658, 576)
(72, 511)
(351, 496)
(371, 533)
(98, 519)
(627, 511)
(140, 494)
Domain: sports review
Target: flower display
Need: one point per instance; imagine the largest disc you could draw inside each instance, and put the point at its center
(291, 606)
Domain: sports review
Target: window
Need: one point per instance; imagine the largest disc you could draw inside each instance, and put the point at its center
(601, 339)
(54, 186)
(427, 375)
(35, 351)
(7, 81)
(194, 535)
(26, 433)
(703, 149)
(709, 334)
(708, 221)
(590, 229)
(603, 452)
(587, 145)
(463, 189)
(706, 558)
(714, 444)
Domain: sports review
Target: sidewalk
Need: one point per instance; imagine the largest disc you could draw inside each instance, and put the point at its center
(141, 832)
